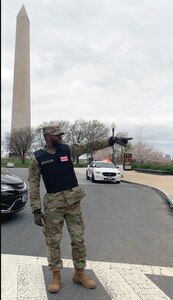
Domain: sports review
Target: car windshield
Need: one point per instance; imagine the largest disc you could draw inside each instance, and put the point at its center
(102, 164)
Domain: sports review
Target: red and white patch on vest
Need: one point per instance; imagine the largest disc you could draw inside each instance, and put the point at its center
(63, 158)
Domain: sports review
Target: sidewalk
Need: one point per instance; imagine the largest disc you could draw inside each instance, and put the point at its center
(162, 183)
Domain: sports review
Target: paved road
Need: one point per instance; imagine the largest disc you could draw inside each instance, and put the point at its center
(128, 229)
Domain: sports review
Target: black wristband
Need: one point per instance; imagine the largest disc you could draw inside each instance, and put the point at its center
(112, 140)
(37, 211)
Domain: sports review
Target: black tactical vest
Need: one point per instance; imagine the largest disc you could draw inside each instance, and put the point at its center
(57, 169)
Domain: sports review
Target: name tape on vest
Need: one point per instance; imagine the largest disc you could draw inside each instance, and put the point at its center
(63, 158)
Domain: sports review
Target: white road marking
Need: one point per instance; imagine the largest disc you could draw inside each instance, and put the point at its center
(22, 278)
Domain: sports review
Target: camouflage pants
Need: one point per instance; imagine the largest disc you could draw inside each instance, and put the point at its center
(57, 208)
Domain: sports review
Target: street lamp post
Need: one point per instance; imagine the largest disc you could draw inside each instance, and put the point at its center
(113, 147)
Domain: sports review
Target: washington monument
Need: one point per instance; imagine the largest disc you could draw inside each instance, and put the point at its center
(21, 111)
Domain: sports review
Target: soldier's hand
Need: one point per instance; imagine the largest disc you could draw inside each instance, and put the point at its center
(119, 140)
(39, 218)
(122, 141)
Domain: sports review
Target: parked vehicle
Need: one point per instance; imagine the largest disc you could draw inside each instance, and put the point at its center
(103, 171)
(14, 193)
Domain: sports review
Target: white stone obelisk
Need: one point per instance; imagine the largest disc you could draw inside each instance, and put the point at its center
(21, 110)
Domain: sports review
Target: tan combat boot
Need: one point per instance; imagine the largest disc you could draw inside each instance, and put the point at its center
(55, 284)
(80, 277)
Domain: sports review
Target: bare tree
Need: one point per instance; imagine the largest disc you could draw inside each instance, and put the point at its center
(78, 131)
(96, 130)
(86, 131)
(77, 136)
(19, 142)
(144, 152)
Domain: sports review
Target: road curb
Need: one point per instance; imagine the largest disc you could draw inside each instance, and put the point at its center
(162, 193)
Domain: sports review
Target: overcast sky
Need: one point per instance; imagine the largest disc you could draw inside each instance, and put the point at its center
(110, 60)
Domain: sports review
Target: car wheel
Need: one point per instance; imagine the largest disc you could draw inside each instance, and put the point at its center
(87, 177)
(117, 182)
(92, 178)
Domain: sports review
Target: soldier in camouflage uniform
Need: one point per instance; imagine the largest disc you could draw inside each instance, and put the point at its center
(61, 202)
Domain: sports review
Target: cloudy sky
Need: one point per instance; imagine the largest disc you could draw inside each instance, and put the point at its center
(110, 60)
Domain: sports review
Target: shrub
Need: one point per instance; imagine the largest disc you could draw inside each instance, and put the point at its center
(163, 167)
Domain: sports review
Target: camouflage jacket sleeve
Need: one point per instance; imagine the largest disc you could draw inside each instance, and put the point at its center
(34, 184)
(87, 147)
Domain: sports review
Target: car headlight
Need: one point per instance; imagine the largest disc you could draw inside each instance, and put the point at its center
(98, 172)
(6, 187)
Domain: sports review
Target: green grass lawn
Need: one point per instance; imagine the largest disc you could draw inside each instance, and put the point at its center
(17, 162)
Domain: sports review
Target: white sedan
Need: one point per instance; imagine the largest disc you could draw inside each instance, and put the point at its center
(103, 171)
